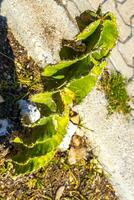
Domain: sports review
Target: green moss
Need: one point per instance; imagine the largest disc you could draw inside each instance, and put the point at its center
(115, 91)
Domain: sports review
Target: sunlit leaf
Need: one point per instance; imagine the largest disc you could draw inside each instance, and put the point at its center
(107, 41)
(67, 97)
(110, 16)
(59, 77)
(45, 98)
(31, 157)
(81, 87)
(50, 70)
(88, 30)
(66, 83)
(86, 18)
(33, 164)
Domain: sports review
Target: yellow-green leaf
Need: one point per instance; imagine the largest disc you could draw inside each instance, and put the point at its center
(50, 70)
(33, 164)
(81, 87)
(88, 30)
(107, 41)
(45, 98)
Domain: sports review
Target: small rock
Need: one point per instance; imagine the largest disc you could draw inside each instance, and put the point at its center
(1, 99)
(67, 139)
(5, 127)
(28, 111)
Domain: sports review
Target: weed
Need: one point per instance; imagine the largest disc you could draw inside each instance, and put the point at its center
(114, 87)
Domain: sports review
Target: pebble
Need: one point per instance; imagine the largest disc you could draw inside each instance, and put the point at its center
(72, 128)
(28, 111)
(5, 127)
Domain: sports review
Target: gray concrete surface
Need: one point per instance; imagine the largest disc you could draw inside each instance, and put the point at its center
(40, 26)
(112, 140)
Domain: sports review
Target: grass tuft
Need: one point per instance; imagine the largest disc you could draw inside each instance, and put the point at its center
(114, 88)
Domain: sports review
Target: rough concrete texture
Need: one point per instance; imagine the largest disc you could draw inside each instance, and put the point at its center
(40, 26)
(113, 139)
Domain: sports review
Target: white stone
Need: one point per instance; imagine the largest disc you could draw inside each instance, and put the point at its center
(5, 127)
(72, 128)
(28, 111)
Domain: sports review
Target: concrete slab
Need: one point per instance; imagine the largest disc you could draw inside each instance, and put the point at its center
(41, 25)
(113, 141)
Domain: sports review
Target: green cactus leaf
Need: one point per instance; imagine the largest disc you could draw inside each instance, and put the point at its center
(81, 68)
(107, 41)
(32, 164)
(41, 131)
(50, 70)
(88, 30)
(110, 16)
(45, 98)
(81, 87)
(86, 18)
(28, 158)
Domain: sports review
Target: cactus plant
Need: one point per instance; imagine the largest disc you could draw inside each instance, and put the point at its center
(65, 84)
